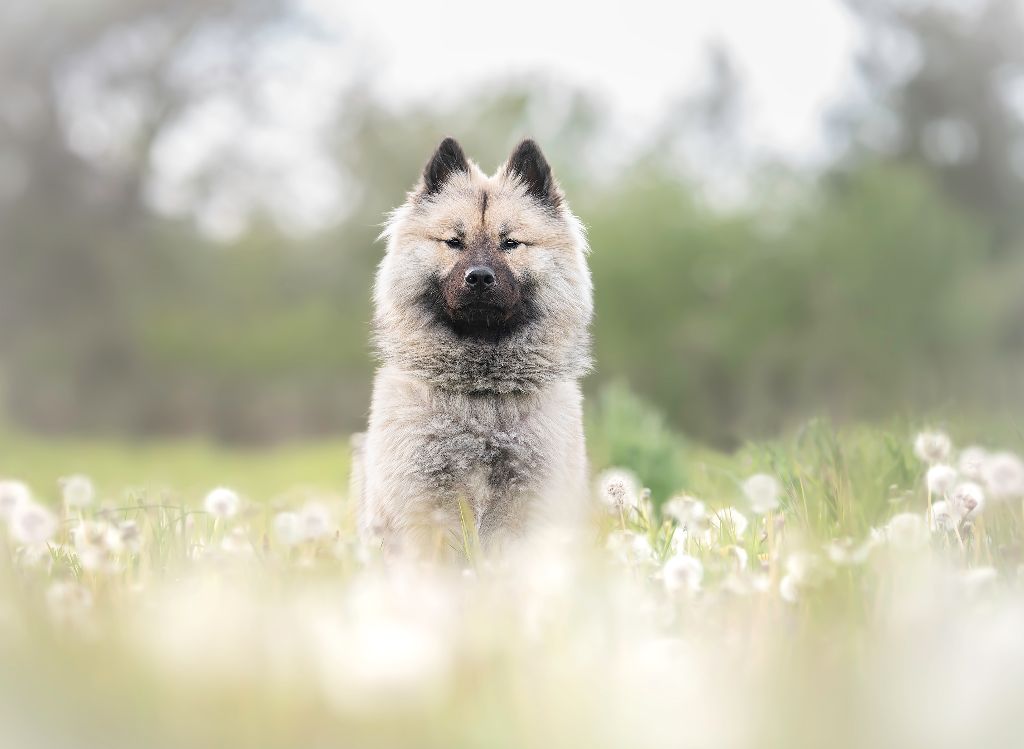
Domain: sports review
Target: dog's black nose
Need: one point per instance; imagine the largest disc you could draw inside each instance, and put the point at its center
(480, 277)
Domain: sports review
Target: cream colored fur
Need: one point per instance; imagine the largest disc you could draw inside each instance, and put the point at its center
(460, 428)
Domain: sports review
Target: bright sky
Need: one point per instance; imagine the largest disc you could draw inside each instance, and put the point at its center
(793, 55)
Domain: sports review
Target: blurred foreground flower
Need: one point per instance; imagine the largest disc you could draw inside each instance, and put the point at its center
(32, 524)
(725, 523)
(940, 479)
(688, 512)
(1003, 474)
(630, 548)
(222, 502)
(682, 573)
(316, 521)
(972, 462)
(762, 492)
(933, 447)
(77, 490)
(907, 531)
(618, 488)
(13, 494)
(288, 528)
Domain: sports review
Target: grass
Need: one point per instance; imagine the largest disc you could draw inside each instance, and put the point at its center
(189, 468)
(835, 618)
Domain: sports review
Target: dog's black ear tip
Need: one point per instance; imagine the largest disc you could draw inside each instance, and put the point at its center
(528, 163)
(528, 144)
(447, 159)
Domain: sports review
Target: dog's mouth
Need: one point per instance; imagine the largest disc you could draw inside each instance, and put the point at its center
(479, 320)
(485, 322)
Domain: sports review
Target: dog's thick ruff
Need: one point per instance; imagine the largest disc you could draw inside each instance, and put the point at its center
(477, 408)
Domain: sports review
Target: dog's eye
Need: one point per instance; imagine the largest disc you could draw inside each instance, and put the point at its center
(455, 243)
(510, 244)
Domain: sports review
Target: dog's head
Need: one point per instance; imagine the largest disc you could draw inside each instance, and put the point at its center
(485, 285)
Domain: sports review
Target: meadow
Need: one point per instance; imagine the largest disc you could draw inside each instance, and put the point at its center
(847, 587)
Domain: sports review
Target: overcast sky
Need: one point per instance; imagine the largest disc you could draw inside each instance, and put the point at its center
(793, 58)
(793, 55)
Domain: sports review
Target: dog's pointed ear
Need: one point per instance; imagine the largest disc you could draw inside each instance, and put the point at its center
(527, 162)
(448, 159)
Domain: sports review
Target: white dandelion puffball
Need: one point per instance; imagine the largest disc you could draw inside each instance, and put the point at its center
(972, 462)
(125, 536)
(222, 502)
(940, 479)
(619, 488)
(32, 524)
(967, 500)
(725, 520)
(630, 548)
(762, 491)
(1003, 474)
(13, 494)
(906, 531)
(237, 543)
(89, 533)
(944, 517)
(288, 528)
(933, 447)
(789, 590)
(739, 556)
(316, 521)
(682, 573)
(77, 490)
(688, 512)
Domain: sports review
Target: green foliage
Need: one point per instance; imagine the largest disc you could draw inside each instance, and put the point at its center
(625, 431)
(873, 288)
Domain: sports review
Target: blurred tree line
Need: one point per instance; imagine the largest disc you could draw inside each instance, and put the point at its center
(889, 280)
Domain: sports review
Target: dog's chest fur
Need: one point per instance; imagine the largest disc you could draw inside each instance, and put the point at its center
(486, 450)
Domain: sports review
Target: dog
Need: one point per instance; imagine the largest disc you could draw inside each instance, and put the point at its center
(483, 302)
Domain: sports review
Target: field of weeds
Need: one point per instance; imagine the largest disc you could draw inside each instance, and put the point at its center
(859, 588)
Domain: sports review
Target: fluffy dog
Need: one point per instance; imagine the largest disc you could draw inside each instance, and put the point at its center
(482, 307)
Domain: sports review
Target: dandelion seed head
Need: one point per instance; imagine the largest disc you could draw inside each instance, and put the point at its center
(688, 512)
(237, 543)
(222, 502)
(128, 536)
(619, 488)
(972, 462)
(933, 446)
(967, 500)
(288, 528)
(630, 548)
(1003, 475)
(724, 523)
(92, 540)
(806, 568)
(77, 490)
(762, 492)
(13, 494)
(316, 521)
(739, 556)
(682, 572)
(906, 531)
(940, 479)
(943, 517)
(31, 524)
(89, 533)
